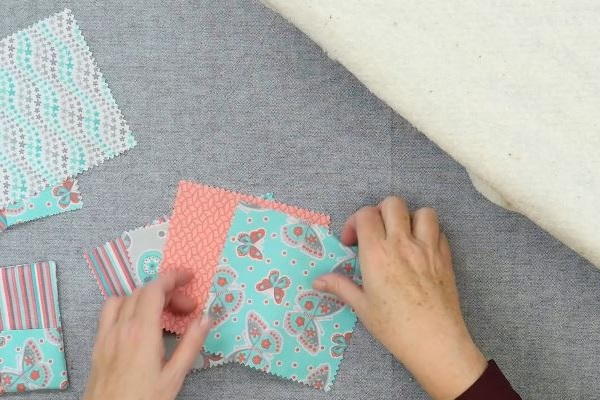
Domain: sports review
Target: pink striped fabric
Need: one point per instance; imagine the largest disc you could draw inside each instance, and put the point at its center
(28, 297)
(110, 266)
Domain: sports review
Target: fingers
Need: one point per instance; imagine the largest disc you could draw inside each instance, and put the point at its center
(396, 217)
(153, 298)
(444, 247)
(170, 280)
(179, 303)
(187, 350)
(425, 226)
(110, 314)
(364, 226)
(128, 309)
(390, 217)
(348, 236)
(342, 287)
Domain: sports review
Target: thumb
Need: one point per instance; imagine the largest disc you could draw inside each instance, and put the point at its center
(186, 352)
(342, 287)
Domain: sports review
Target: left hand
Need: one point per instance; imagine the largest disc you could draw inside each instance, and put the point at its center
(409, 300)
(128, 362)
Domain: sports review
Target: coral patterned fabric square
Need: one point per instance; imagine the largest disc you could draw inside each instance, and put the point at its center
(198, 228)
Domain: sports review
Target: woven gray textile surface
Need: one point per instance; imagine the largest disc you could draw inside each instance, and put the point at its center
(229, 94)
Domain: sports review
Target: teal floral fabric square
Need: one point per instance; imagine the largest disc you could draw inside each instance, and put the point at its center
(266, 314)
(32, 359)
(51, 201)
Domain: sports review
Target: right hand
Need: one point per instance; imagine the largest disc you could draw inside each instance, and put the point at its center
(128, 361)
(409, 300)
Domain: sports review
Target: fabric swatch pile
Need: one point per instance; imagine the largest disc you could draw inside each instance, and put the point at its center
(254, 261)
(58, 118)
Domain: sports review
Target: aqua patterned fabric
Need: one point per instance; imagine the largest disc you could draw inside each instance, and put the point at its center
(51, 201)
(31, 344)
(57, 115)
(130, 261)
(266, 314)
(32, 359)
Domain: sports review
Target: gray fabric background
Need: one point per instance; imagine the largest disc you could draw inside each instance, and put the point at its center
(229, 94)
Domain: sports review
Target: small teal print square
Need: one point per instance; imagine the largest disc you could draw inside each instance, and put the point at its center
(32, 359)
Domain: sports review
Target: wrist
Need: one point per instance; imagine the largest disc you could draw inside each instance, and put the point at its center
(447, 370)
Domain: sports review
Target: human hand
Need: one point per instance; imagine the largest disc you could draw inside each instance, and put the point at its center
(128, 362)
(409, 300)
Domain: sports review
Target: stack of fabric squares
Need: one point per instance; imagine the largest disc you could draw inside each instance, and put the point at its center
(57, 119)
(254, 261)
(30, 329)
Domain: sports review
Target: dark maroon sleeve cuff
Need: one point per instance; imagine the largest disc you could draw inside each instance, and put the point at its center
(491, 385)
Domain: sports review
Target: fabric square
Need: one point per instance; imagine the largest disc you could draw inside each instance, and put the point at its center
(197, 231)
(265, 312)
(130, 261)
(51, 201)
(145, 251)
(31, 346)
(125, 263)
(57, 115)
(111, 268)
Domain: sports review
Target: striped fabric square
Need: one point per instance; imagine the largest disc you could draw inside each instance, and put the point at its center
(111, 267)
(29, 297)
(123, 264)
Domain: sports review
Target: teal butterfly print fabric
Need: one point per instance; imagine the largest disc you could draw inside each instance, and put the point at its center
(266, 314)
(32, 359)
(57, 116)
(51, 201)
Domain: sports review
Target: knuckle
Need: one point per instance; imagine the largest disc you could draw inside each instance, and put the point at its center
(111, 303)
(394, 202)
(366, 212)
(336, 285)
(110, 307)
(428, 212)
(411, 250)
(137, 292)
(132, 331)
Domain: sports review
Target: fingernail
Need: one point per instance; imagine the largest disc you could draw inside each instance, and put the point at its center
(320, 284)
